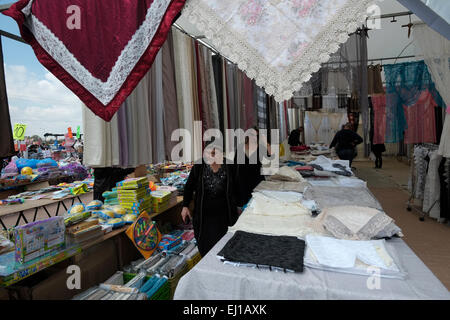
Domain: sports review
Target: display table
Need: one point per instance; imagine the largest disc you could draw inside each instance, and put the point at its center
(35, 205)
(210, 279)
(14, 275)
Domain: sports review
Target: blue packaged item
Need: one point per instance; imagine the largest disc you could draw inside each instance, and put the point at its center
(77, 208)
(94, 205)
(159, 283)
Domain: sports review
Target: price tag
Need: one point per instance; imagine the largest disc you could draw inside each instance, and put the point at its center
(19, 131)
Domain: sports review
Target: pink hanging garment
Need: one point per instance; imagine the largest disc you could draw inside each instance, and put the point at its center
(379, 109)
(421, 120)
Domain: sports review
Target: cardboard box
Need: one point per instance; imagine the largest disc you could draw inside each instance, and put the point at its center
(36, 239)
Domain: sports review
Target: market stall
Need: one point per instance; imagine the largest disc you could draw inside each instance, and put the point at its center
(330, 238)
(307, 215)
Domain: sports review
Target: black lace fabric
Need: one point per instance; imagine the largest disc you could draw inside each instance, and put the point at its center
(275, 251)
(215, 182)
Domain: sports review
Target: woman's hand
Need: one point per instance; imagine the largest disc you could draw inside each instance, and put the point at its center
(186, 215)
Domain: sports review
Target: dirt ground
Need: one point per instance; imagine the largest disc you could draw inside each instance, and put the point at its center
(429, 239)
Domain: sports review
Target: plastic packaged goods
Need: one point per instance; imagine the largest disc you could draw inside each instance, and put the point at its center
(5, 245)
(105, 214)
(38, 238)
(119, 212)
(129, 218)
(94, 205)
(75, 218)
(77, 208)
(133, 183)
(116, 223)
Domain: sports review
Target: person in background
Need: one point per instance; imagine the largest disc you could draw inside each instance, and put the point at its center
(345, 142)
(249, 174)
(215, 207)
(294, 137)
(106, 178)
(377, 150)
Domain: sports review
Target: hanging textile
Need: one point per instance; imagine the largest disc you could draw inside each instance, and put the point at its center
(159, 154)
(404, 85)
(436, 52)
(435, 13)
(321, 127)
(421, 120)
(379, 110)
(99, 142)
(262, 108)
(277, 43)
(432, 189)
(96, 57)
(171, 121)
(6, 135)
(374, 82)
(184, 84)
(218, 78)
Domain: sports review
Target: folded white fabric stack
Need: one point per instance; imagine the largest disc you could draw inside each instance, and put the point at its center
(350, 256)
(358, 223)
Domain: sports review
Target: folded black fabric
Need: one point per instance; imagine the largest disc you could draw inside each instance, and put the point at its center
(275, 251)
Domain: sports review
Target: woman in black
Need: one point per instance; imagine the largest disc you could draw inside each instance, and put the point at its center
(249, 174)
(214, 205)
(345, 142)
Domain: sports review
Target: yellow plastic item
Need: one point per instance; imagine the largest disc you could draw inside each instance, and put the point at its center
(109, 213)
(281, 150)
(26, 171)
(119, 211)
(129, 217)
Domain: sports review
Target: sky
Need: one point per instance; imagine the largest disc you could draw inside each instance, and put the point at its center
(36, 97)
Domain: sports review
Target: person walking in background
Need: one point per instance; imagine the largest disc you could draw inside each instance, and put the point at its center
(377, 150)
(345, 142)
(215, 205)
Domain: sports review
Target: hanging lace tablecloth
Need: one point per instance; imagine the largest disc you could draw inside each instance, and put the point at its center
(99, 49)
(279, 43)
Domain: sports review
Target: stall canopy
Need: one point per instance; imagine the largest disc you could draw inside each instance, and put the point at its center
(98, 49)
(101, 50)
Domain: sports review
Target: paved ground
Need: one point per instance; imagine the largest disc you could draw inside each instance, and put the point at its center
(429, 239)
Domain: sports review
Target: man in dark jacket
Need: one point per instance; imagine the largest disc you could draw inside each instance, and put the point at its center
(345, 142)
(294, 137)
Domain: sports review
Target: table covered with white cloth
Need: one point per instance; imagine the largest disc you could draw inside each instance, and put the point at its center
(211, 279)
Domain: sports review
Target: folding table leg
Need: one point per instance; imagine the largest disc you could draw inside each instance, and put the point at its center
(21, 215)
(3, 225)
(64, 205)
(35, 214)
(49, 215)
(57, 208)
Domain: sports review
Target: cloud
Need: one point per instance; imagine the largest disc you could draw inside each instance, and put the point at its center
(41, 101)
